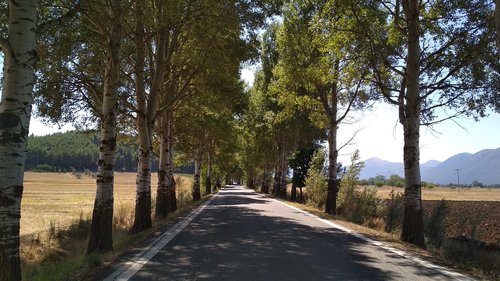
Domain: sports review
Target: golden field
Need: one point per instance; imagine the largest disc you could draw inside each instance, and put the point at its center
(449, 194)
(59, 199)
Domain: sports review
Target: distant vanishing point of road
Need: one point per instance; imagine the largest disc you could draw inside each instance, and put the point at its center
(242, 235)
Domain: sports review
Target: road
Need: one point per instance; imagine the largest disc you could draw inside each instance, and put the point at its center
(242, 235)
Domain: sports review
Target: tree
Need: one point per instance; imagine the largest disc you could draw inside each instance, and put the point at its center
(101, 239)
(424, 59)
(18, 43)
(299, 162)
(15, 111)
(323, 60)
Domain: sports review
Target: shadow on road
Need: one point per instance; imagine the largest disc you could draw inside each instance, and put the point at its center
(244, 236)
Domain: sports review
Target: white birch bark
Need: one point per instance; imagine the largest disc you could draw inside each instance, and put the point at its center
(101, 239)
(142, 218)
(15, 111)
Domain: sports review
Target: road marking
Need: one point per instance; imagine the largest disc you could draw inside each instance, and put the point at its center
(440, 269)
(129, 268)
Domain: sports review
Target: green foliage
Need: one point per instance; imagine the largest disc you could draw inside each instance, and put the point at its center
(316, 181)
(379, 183)
(76, 151)
(435, 229)
(299, 162)
(393, 211)
(355, 204)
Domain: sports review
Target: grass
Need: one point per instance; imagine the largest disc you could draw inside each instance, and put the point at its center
(450, 194)
(56, 211)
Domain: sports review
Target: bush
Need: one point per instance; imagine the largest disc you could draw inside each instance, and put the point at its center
(379, 184)
(435, 230)
(43, 168)
(356, 205)
(393, 211)
(315, 180)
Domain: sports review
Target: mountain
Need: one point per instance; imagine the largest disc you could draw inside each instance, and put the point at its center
(378, 167)
(483, 166)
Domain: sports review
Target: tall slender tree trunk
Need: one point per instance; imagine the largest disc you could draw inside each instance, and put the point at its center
(142, 218)
(277, 179)
(412, 231)
(265, 180)
(15, 111)
(208, 180)
(284, 170)
(197, 171)
(166, 201)
(332, 189)
(101, 239)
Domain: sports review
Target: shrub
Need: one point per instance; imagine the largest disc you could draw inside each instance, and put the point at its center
(393, 211)
(43, 168)
(435, 230)
(315, 180)
(356, 205)
(379, 183)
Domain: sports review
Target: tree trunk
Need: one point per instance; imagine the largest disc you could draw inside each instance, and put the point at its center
(166, 201)
(284, 170)
(332, 191)
(412, 231)
(293, 196)
(15, 111)
(101, 239)
(197, 170)
(265, 181)
(208, 181)
(142, 218)
(277, 180)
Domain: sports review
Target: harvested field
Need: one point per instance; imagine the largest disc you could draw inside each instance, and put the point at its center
(472, 219)
(449, 194)
(55, 200)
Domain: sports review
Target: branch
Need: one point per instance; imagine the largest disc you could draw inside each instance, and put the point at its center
(60, 20)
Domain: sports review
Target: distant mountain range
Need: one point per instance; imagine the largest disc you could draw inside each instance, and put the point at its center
(483, 166)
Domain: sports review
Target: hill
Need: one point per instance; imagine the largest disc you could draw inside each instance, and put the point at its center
(482, 167)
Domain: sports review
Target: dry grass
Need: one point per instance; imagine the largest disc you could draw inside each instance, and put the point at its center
(59, 199)
(450, 194)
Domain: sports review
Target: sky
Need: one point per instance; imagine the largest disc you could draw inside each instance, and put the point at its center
(380, 134)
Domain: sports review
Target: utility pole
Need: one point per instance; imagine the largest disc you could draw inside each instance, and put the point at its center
(458, 179)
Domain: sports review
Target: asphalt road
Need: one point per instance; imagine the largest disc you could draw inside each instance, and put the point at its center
(241, 235)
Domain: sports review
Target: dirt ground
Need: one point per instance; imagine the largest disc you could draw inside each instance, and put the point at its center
(473, 219)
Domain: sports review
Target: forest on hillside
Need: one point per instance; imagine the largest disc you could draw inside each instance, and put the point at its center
(161, 79)
(79, 151)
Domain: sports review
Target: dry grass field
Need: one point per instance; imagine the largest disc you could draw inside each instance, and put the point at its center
(449, 194)
(55, 200)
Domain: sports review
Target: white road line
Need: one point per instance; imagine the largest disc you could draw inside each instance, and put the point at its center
(442, 270)
(129, 268)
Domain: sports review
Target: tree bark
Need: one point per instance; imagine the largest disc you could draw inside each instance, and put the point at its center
(412, 231)
(101, 239)
(15, 112)
(197, 170)
(208, 181)
(332, 189)
(166, 201)
(293, 196)
(142, 218)
(265, 180)
(284, 169)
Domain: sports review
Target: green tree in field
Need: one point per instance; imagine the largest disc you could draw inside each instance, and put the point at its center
(324, 62)
(426, 56)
